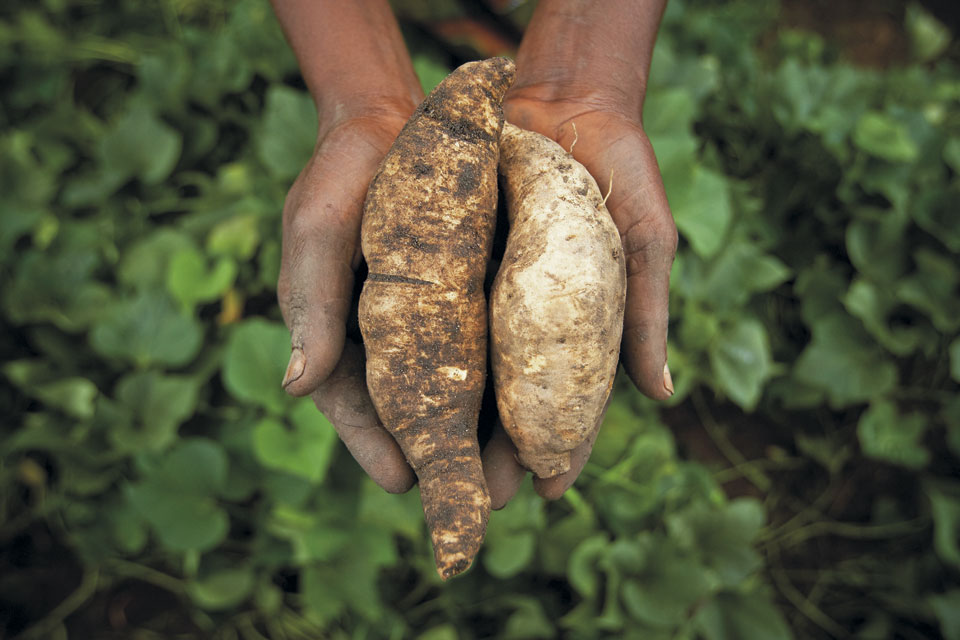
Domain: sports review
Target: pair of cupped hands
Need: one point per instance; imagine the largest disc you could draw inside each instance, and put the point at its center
(321, 257)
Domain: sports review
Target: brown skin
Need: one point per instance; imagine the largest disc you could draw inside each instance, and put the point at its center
(576, 63)
(556, 307)
(427, 235)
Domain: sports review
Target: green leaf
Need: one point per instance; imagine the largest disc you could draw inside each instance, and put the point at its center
(800, 91)
(509, 554)
(148, 329)
(440, 632)
(268, 597)
(144, 264)
(932, 289)
(224, 589)
(876, 247)
(820, 288)
(702, 210)
(57, 288)
(178, 498)
(164, 74)
(677, 159)
(430, 68)
(15, 222)
(737, 273)
(289, 132)
(741, 616)
(929, 38)
(302, 449)
(190, 280)
(844, 363)
(219, 67)
(74, 396)
(314, 536)
(254, 364)
(582, 569)
(269, 261)
(402, 514)
(619, 427)
(945, 506)
(139, 145)
(934, 210)
(669, 111)
(510, 543)
(946, 606)
(159, 404)
(886, 435)
(951, 153)
(236, 237)
(669, 585)
(326, 593)
(558, 541)
(874, 305)
(880, 135)
(741, 362)
(721, 537)
(127, 529)
(528, 621)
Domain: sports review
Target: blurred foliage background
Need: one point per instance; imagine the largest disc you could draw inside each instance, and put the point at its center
(156, 483)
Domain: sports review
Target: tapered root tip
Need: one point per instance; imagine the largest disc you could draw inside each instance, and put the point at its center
(456, 512)
(455, 559)
(545, 465)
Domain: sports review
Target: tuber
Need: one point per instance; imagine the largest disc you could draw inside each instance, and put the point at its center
(557, 303)
(427, 235)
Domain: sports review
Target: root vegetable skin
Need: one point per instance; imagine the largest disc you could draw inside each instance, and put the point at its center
(557, 303)
(427, 235)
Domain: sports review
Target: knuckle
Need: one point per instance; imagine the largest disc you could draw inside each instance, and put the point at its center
(649, 241)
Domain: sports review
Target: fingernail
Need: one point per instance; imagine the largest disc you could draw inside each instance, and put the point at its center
(667, 379)
(298, 362)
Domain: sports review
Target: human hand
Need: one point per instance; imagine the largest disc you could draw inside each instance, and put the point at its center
(321, 253)
(611, 144)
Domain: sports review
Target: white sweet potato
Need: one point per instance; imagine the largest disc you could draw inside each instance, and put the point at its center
(556, 307)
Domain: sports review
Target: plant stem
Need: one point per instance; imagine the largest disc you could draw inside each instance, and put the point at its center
(43, 628)
(727, 448)
(146, 574)
(811, 611)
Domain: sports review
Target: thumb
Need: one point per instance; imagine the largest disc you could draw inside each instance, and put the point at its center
(314, 292)
(638, 205)
(321, 233)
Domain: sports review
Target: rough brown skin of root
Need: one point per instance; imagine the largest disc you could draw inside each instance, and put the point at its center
(557, 303)
(427, 234)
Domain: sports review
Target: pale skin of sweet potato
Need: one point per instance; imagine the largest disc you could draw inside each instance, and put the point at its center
(427, 234)
(557, 303)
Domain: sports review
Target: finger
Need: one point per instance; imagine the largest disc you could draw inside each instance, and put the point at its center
(344, 400)
(500, 467)
(321, 234)
(553, 488)
(638, 206)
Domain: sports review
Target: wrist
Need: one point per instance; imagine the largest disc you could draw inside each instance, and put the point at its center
(573, 51)
(572, 95)
(384, 109)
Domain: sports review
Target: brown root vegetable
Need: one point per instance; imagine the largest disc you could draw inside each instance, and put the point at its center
(556, 307)
(427, 234)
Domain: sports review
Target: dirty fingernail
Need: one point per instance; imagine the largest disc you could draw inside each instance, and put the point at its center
(298, 363)
(667, 379)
